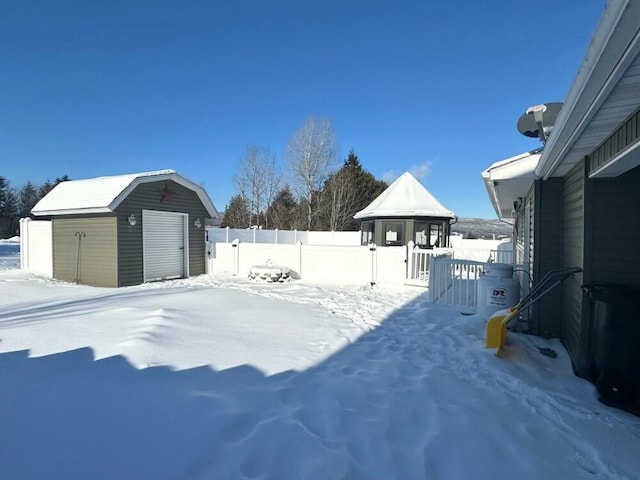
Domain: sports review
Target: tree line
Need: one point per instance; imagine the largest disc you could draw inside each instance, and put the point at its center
(311, 192)
(16, 203)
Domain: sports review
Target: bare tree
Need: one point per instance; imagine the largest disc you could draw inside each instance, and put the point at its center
(310, 155)
(257, 180)
(272, 186)
(342, 199)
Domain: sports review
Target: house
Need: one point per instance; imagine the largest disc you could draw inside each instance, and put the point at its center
(127, 229)
(405, 211)
(575, 203)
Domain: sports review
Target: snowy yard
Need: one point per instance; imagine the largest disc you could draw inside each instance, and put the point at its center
(221, 378)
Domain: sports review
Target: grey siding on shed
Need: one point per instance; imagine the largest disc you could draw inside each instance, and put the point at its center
(615, 230)
(574, 331)
(96, 261)
(546, 313)
(148, 196)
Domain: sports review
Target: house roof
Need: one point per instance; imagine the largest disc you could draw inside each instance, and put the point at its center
(605, 92)
(406, 197)
(104, 194)
(509, 179)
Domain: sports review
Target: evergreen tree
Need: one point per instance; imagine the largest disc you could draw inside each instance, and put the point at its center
(8, 210)
(45, 188)
(346, 192)
(16, 204)
(281, 212)
(28, 198)
(64, 178)
(237, 213)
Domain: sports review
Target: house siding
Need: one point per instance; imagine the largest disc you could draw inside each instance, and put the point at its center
(545, 317)
(531, 230)
(573, 328)
(615, 231)
(524, 253)
(149, 196)
(91, 260)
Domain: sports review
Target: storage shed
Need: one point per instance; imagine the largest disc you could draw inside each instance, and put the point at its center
(406, 211)
(127, 229)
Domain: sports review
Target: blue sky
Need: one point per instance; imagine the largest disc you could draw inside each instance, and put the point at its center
(92, 88)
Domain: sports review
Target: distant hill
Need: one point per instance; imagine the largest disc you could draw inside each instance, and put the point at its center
(482, 228)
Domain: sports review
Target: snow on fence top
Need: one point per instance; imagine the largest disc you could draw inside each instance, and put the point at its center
(253, 235)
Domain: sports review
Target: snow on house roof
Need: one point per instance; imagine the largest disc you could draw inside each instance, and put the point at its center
(406, 197)
(509, 179)
(602, 96)
(104, 194)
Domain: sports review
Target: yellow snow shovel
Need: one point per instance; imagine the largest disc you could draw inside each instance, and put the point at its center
(497, 324)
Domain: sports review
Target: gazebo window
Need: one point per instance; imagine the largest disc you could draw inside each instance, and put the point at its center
(435, 235)
(393, 233)
(429, 235)
(368, 230)
(421, 234)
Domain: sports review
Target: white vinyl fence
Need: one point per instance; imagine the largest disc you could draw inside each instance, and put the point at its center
(290, 237)
(454, 281)
(322, 257)
(36, 247)
(313, 263)
(419, 263)
(327, 263)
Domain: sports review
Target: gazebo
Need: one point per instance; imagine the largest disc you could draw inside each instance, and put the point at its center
(405, 211)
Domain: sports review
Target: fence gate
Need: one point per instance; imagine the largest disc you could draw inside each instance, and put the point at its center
(419, 262)
(454, 282)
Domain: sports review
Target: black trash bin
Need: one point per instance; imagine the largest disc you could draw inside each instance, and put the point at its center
(616, 343)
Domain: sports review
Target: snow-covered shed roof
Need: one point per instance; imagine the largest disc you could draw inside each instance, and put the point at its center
(406, 197)
(509, 179)
(104, 194)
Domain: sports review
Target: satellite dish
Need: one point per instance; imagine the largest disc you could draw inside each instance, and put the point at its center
(537, 121)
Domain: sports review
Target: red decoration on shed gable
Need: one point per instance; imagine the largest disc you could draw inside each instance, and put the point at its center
(166, 195)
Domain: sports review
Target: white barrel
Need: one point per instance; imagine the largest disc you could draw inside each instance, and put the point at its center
(497, 289)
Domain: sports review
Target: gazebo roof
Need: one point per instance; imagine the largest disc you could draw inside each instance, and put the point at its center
(406, 197)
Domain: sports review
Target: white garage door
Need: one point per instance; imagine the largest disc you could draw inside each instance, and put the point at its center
(165, 246)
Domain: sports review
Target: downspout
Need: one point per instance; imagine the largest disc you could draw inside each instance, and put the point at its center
(455, 220)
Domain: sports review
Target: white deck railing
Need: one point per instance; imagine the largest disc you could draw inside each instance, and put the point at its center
(454, 281)
(419, 261)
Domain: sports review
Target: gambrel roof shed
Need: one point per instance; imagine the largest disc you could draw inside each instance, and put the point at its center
(406, 197)
(127, 229)
(104, 194)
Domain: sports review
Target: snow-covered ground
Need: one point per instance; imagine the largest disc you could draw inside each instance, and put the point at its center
(220, 378)
(9, 253)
